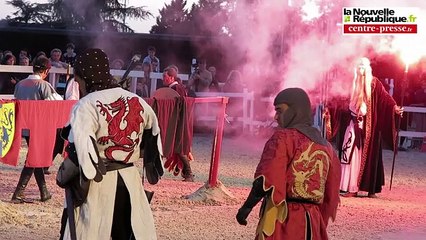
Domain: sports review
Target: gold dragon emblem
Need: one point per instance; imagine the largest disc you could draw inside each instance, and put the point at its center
(306, 166)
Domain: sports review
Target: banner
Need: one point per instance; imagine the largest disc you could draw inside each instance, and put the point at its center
(7, 126)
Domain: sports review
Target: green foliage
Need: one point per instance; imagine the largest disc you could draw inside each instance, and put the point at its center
(206, 18)
(210, 17)
(28, 12)
(172, 18)
(94, 15)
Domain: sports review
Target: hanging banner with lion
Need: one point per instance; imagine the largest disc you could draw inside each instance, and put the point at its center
(7, 127)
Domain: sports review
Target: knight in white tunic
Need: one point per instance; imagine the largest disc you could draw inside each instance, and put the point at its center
(107, 128)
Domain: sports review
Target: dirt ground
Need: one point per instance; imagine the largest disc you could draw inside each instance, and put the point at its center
(396, 214)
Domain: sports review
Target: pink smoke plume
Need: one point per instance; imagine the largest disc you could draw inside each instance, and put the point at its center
(279, 46)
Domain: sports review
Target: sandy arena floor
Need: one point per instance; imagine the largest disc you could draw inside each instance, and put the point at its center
(396, 214)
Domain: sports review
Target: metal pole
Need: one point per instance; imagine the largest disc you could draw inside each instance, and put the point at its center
(324, 88)
(395, 151)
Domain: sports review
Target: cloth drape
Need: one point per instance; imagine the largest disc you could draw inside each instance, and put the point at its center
(42, 118)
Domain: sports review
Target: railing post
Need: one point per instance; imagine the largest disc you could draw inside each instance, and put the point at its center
(153, 86)
(133, 84)
(245, 99)
(251, 117)
(52, 79)
(217, 144)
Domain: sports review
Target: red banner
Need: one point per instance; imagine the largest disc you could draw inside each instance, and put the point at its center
(42, 118)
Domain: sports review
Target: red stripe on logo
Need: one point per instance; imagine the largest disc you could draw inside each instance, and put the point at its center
(379, 28)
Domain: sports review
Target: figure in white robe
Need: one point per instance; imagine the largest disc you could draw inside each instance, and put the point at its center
(107, 128)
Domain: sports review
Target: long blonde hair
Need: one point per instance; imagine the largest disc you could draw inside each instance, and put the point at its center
(361, 86)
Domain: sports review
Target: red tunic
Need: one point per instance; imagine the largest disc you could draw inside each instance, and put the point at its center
(175, 117)
(304, 177)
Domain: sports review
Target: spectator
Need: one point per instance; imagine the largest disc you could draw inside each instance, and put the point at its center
(7, 52)
(147, 69)
(201, 79)
(9, 59)
(234, 108)
(152, 59)
(24, 53)
(419, 100)
(8, 80)
(214, 85)
(55, 58)
(41, 53)
(234, 83)
(24, 61)
(117, 64)
(61, 79)
(69, 56)
(141, 85)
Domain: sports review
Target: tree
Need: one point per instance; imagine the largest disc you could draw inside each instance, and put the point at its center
(206, 18)
(172, 18)
(210, 17)
(94, 15)
(28, 12)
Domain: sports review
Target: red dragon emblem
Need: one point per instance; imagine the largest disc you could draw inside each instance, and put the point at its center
(124, 119)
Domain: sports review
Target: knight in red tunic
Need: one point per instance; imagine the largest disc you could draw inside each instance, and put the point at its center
(297, 177)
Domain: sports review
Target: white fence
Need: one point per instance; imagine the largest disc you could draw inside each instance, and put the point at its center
(53, 79)
(414, 134)
(249, 123)
(248, 120)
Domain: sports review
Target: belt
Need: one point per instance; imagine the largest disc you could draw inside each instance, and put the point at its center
(295, 200)
(109, 165)
(116, 165)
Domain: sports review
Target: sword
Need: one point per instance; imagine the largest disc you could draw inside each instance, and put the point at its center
(70, 212)
(135, 58)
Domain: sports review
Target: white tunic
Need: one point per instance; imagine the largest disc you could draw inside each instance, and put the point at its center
(116, 118)
(350, 172)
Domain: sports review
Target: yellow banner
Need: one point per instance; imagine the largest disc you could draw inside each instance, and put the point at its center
(7, 126)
